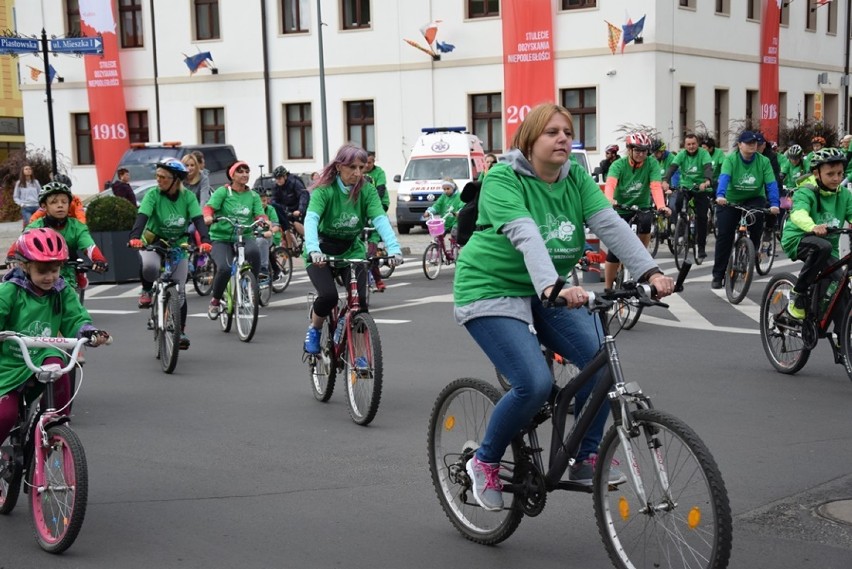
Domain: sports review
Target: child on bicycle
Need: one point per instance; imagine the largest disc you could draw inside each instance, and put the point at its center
(816, 208)
(449, 203)
(36, 301)
(270, 237)
(75, 208)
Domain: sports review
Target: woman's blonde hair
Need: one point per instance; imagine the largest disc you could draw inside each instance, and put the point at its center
(535, 123)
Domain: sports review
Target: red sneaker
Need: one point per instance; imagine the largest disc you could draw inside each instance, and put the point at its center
(145, 299)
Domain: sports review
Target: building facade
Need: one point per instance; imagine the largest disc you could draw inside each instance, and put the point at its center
(698, 64)
(11, 103)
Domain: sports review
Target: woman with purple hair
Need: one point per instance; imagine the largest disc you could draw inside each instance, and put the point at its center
(342, 204)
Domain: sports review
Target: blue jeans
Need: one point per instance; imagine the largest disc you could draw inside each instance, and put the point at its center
(514, 349)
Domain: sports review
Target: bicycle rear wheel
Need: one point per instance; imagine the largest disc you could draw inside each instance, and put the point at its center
(169, 336)
(323, 366)
(202, 278)
(676, 509)
(58, 503)
(226, 310)
(456, 428)
(283, 271)
(740, 270)
(627, 311)
(363, 369)
(264, 291)
(11, 471)
(780, 335)
(246, 306)
(432, 261)
(766, 255)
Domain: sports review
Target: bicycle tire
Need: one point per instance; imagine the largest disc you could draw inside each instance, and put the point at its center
(264, 292)
(57, 510)
(169, 336)
(845, 339)
(81, 294)
(385, 270)
(693, 242)
(740, 270)
(246, 306)
(363, 382)
(782, 340)
(152, 323)
(654, 241)
(323, 366)
(766, 255)
(202, 276)
(284, 267)
(456, 427)
(680, 243)
(10, 484)
(692, 520)
(627, 311)
(226, 309)
(433, 258)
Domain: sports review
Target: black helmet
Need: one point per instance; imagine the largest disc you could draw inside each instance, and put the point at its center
(62, 179)
(263, 191)
(279, 172)
(175, 167)
(53, 188)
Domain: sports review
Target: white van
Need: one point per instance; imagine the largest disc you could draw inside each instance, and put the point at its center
(438, 152)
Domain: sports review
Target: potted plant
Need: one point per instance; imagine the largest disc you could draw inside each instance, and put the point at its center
(110, 220)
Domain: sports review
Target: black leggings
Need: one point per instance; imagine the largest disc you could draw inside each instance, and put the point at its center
(222, 255)
(815, 251)
(327, 292)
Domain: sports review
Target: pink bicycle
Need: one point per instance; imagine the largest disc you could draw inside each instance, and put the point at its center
(437, 253)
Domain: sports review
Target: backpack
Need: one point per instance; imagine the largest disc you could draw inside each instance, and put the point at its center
(466, 217)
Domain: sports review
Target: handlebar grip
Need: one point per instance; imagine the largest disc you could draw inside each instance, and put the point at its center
(681, 276)
(554, 292)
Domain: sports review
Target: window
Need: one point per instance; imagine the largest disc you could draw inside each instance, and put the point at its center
(782, 108)
(687, 110)
(130, 22)
(206, 19)
(752, 108)
(72, 17)
(687, 4)
(212, 123)
(578, 4)
(785, 13)
(137, 126)
(831, 26)
(83, 139)
(720, 116)
(299, 130)
(723, 7)
(9, 148)
(295, 16)
(13, 126)
(583, 104)
(830, 109)
(753, 10)
(810, 17)
(360, 124)
(810, 102)
(483, 8)
(356, 14)
(487, 120)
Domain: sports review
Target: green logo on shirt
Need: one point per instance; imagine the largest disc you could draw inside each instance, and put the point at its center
(346, 219)
(175, 220)
(747, 179)
(557, 228)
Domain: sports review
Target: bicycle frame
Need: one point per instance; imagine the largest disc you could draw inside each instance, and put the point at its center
(826, 317)
(164, 281)
(352, 305)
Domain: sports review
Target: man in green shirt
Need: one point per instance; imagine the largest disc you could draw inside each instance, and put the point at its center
(696, 172)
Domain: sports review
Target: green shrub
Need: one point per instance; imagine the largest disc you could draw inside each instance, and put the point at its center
(110, 213)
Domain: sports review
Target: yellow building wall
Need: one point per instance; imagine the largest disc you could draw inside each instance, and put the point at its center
(11, 104)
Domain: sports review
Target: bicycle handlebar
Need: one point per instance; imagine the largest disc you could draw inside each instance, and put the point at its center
(24, 342)
(236, 224)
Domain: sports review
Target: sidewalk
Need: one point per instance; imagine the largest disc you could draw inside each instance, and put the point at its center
(9, 231)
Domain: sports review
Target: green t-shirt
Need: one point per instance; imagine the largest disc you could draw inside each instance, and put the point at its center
(446, 204)
(243, 206)
(489, 266)
(77, 237)
(32, 315)
(748, 179)
(832, 209)
(691, 168)
(341, 218)
(169, 219)
(668, 158)
(717, 158)
(273, 220)
(792, 172)
(634, 184)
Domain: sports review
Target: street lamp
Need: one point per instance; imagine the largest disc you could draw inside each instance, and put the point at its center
(322, 86)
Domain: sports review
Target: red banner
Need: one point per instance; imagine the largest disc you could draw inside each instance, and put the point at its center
(770, 24)
(107, 112)
(528, 68)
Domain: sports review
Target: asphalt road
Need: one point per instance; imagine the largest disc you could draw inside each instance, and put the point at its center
(230, 462)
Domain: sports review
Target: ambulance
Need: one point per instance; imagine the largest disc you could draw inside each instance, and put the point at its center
(438, 152)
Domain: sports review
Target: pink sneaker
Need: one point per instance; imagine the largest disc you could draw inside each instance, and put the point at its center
(487, 487)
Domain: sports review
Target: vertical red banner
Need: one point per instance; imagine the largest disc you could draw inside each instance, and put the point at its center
(107, 111)
(770, 25)
(528, 67)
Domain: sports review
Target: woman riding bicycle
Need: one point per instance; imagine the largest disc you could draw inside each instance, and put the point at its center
(342, 204)
(816, 208)
(36, 301)
(236, 201)
(165, 214)
(532, 208)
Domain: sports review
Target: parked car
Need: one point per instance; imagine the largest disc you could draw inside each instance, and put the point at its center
(141, 160)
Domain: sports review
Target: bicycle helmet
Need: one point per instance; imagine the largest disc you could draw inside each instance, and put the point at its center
(818, 140)
(795, 151)
(709, 141)
(263, 192)
(53, 188)
(280, 172)
(63, 179)
(42, 244)
(827, 156)
(658, 145)
(612, 149)
(175, 167)
(638, 140)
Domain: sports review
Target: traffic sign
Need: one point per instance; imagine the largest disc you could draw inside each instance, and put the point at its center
(77, 45)
(18, 45)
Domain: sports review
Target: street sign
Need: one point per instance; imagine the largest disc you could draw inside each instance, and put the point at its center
(77, 45)
(18, 45)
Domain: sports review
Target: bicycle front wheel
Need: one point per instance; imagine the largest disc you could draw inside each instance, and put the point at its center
(766, 255)
(169, 336)
(283, 270)
(363, 369)
(673, 510)
(780, 335)
(202, 278)
(627, 311)
(680, 241)
(432, 261)
(845, 339)
(264, 292)
(654, 241)
(323, 366)
(226, 309)
(58, 504)
(11, 472)
(740, 270)
(246, 306)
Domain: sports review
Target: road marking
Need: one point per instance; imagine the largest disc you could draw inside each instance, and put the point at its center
(92, 291)
(387, 321)
(91, 311)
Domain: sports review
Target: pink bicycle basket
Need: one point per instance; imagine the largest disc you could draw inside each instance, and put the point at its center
(435, 227)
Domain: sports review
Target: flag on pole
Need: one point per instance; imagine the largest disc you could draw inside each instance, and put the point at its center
(632, 32)
(427, 51)
(444, 47)
(613, 35)
(429, 31)
(194, 62)
(822, 2)
(35, 73)
(51, 73)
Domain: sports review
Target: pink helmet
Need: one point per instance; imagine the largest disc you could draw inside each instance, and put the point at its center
(41, 244)
(638, 140)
